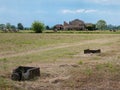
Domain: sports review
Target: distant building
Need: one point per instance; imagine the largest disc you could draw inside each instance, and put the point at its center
(74, 25)
(58, 27)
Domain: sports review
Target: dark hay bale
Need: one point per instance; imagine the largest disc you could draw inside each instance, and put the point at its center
(88, 51)
(25, 73)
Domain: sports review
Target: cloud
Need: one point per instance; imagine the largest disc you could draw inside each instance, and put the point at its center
(68, 11)
(105, 2)
(98, 1)
(90, 11)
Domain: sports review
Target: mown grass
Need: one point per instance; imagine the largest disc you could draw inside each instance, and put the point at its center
(83, 32)
(17, 42)
(92, 68)
(101, 76)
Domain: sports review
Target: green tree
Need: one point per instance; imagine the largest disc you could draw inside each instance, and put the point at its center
(110, 27)
(2, 26)
(118, 27)
(8, 25)
(13, 27)
(101, 25)
(90, 26)
(47, 28)
(20, 26)
(38, 26)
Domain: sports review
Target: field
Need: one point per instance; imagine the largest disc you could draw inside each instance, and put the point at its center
(62, 61)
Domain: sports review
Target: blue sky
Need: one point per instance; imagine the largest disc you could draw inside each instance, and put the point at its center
(52, 12)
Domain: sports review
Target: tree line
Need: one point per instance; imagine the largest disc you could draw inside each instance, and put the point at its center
(9, 26)
(38, 26)
(102, 25)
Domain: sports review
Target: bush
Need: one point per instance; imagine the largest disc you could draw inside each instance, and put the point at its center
(37, 26)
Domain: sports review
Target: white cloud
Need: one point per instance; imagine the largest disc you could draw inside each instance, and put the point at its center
(67, 11)
(105, 2)
(90, 11)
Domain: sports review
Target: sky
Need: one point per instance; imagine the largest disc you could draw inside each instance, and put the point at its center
(52, 12)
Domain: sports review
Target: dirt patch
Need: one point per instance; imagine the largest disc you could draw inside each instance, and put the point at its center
(58, 79)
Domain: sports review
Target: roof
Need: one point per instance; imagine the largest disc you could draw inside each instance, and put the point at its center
(76, 22)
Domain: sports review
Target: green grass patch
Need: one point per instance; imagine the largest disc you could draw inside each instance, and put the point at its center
(80, 62)
(109, 66)
(5, 84)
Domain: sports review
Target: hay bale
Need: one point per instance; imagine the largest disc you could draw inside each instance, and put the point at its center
(88, 51)
(22, 73)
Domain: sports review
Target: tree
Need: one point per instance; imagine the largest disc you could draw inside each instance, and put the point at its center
(90, 26)
(20, 26)
(2, 26)
(8, 25)
(47, 27)
(110, 27)
(27, 28)
(13, 27)
(101, 25)
(38, 26)
(118, 27)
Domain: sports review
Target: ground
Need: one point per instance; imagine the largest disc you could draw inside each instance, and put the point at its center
(63, 64)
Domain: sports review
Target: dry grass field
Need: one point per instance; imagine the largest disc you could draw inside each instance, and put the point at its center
(62, 61)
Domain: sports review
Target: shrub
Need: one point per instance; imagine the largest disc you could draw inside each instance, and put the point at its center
(37, 26)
